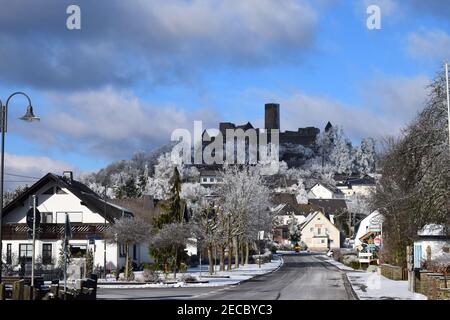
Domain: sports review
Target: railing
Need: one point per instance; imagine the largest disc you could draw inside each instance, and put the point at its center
(53, 231)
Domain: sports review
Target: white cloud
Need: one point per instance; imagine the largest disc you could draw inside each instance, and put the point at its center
(31, 166)
(429, 44)
(110, 124)
(387, 104)
(162, 41)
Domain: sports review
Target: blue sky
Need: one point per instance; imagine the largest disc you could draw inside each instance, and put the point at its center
(136, 71)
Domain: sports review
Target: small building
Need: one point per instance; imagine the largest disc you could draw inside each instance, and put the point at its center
(433, 242)
(324, 191)
(318, 233)
(356, 186)
(370, 224)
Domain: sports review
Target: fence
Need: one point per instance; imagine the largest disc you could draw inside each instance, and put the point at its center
(394, 272)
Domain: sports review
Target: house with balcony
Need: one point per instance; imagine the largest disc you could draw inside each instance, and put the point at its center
(90, 216)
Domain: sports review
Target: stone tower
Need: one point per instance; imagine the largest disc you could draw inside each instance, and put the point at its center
(272, 116)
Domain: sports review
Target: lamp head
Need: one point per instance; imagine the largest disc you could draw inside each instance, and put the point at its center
(29, 115)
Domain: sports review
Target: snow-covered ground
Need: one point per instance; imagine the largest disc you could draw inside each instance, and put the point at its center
(372, 286)
(218, 279)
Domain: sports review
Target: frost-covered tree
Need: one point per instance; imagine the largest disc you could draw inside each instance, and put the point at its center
(244, 207)
(168, 244)
(128, 231)
(294, 231)
(341, 154)
(364, 157)
(414, 188)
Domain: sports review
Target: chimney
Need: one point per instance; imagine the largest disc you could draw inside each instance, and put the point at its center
(272, 116)
(68, 176)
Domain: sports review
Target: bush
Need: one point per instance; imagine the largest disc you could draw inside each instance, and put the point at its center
(273, 249)
(354, 264)
(183, 267)
(150, 275)
(188, 278)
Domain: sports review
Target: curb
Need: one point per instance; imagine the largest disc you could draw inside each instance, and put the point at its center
(347, 284)
(348, 287)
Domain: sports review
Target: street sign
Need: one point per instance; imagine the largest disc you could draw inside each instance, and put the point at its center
(30, 218)
(377, 241)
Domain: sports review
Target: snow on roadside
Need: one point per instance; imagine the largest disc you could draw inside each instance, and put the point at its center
(372, 286)
(235, 277)
(339, 265)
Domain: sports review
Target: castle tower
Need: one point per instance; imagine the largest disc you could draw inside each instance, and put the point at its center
(272, 116)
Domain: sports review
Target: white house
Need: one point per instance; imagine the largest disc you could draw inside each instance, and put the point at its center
(433, 243)
(370, 223)
(318, 233)
(324, 191)
(89, 215)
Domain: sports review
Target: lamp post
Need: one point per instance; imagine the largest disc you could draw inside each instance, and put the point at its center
(29, 116)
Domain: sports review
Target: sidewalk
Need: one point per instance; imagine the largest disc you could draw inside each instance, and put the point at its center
(219, 279)
(372, 286)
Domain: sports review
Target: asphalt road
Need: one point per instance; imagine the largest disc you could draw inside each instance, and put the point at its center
(302, 277)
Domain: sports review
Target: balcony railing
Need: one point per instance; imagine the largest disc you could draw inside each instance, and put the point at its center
(53, 231)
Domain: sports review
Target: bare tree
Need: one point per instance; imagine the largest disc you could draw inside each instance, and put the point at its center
(415, 186)
(170, 241)
(128, 231)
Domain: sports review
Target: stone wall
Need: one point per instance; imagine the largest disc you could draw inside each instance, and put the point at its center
(393, 272)
(432, 285)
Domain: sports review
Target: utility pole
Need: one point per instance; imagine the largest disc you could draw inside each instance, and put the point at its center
(104, 239)
(33, 262)
(448, 102)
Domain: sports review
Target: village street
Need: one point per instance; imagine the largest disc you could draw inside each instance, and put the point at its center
(303, 276)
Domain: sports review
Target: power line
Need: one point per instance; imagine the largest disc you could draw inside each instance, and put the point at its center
(20, 176)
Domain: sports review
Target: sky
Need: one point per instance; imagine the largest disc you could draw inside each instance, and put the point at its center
(137, 70)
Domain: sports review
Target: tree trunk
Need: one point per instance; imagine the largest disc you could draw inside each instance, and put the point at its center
(222, 257)
(236, 253)
(175, 264)
(242, 253)
(230, 254)
(247, 251)
(126, 261)
(210, 260)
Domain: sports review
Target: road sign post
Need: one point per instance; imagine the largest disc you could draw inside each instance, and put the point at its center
(33, 222)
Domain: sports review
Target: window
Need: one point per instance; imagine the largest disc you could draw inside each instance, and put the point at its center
(134, 252)
(49, 191)
(46, 217)
(78, 250)
(311, 229)
(319, 230)
(204, 179)
(60, 191)
(26, 251)
(9, 253)
(322, 241)
(122, 252)
(47, 253)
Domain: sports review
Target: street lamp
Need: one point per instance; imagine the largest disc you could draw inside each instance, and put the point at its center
(29, 117)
